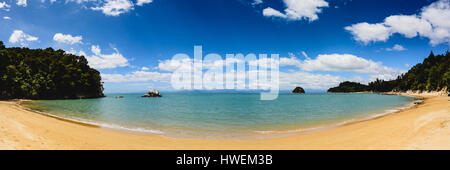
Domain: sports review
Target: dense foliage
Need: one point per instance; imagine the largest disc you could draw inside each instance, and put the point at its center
(433, 74)
(349, 87)
(46, 74)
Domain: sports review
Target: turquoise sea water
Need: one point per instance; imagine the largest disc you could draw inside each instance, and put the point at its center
(221, 115)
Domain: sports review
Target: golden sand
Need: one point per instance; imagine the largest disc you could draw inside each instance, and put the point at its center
(425, 126)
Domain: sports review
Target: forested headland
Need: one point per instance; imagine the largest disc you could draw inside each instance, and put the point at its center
(46, 74)
(433, 74)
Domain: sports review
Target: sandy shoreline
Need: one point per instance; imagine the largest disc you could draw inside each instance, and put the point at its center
(426, 126)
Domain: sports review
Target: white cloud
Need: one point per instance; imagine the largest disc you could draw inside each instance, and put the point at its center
(81, 1)
(396, 47)
(104, 61)
(292, 61)
(4, 6)
(438, 14)
(298, 10)
(137, 76)
(115, 7)
(343, 63)
(96, 50)
(7, 18)
(323, 62)
(186, 64)
(367, 33)
(18, 36)
(112, 7)
(71, 51)
(172, 65)
(408, 25)
(142, 2)
(304, 77)
(22, 3)
(270, 12)
(67, 38)
(432, 23)
(289, 80)
(256, 2)
(76, 1)
(51, 1)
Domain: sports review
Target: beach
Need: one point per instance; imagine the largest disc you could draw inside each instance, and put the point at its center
(424, 126)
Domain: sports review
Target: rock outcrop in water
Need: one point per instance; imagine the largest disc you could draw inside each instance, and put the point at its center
(152, 93)
(298, 90)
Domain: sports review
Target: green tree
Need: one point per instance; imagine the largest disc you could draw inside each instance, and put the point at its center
(46, 74)
(433, 74)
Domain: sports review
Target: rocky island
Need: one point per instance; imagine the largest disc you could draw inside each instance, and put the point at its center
(152, 93)
(298, 90)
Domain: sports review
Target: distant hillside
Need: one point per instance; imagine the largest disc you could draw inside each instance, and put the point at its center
(46, 74)
(348, 87)
(433, 74)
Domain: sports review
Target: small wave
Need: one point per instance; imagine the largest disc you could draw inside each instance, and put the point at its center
(99, 124)
(301, 130)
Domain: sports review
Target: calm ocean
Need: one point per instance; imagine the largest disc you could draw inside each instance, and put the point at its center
(222, 115)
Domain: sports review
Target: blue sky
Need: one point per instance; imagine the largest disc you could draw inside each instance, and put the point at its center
(129, 40)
